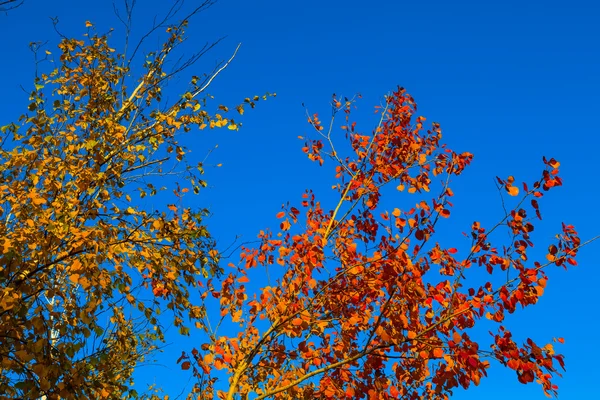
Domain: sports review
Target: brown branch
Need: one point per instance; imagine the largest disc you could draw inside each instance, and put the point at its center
(10, 4)
(316, 372)
(246, 361)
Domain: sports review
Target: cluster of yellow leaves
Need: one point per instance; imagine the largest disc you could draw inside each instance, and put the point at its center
(85, 270)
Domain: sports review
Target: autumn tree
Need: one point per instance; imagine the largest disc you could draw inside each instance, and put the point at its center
(86, 267)
(367, 302)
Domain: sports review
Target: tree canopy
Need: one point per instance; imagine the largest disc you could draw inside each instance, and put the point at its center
(86, 265)
(362, 298)
(367, 302)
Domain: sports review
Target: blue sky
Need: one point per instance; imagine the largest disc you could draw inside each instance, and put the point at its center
(509, 81)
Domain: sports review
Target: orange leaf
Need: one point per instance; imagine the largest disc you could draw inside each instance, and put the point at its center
(7, 245)
(456, 337)
(542, 282)
(285, 225)
(38, 200)
(280, 214)
(512, 190)
(539, 290)
(438, 352)
(243, 279)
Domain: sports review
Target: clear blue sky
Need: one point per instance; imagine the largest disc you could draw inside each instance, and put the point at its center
(509, 81)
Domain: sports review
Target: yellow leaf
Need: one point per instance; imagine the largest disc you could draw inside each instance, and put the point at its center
(75, 266)
(172, 275)
(157, 224)
(23, 355)
(84, 282)
(88, 24)
(7, 245)
(38, 200)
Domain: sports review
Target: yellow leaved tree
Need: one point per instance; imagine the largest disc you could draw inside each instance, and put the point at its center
(85, 267)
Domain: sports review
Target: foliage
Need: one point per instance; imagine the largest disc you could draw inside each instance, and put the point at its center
(85, 267)
(368, 303)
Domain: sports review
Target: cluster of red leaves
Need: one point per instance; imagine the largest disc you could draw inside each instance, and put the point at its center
(367, 305)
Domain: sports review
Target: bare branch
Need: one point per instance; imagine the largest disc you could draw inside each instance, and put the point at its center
(7, 5)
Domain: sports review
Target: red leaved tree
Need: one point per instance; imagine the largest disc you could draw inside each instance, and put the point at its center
(367, 304)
